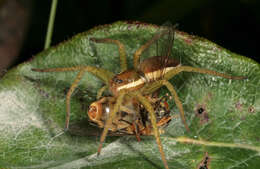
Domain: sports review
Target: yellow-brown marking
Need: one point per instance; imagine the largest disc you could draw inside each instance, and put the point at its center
(149, 77)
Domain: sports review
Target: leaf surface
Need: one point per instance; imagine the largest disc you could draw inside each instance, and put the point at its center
(32, 107)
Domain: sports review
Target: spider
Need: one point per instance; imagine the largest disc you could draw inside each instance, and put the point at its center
(145, 78)
(132, 118)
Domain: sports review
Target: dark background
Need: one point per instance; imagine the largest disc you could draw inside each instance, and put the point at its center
(233, 24)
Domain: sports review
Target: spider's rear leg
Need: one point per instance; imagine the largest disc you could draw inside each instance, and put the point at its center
(121, 49)
(179, 69)
(145, 102)
(177, 101)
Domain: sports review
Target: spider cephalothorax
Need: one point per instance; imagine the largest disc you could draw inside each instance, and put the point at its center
(129, 79)
(146, 77)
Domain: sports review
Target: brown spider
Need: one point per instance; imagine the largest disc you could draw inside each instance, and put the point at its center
(146, 77)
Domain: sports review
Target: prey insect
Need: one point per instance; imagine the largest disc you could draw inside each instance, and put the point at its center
(145, 78)
(132, 118)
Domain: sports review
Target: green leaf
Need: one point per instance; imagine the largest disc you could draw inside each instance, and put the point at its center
(32, 108)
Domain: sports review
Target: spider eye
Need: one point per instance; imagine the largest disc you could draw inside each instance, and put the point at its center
(118, 81)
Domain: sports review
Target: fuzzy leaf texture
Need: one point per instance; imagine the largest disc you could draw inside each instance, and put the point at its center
(33, 108)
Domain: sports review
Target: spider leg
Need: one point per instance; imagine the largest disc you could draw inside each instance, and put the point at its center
(100, 91)
(121, 48)
(112, 114)
(177, 101)
(145, 102)
(179, 69)
(103, 74)
(68, 96)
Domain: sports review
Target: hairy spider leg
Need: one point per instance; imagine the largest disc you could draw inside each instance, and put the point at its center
(121, 49)
(68, 96)
(179, 69)
(145, 102)
(157, 84)
(140, 50)
(103, 74)
(122, 56)
(177, 101)
(111, 116)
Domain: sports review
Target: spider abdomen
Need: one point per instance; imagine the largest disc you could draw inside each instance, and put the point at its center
(156, 63)
(155, 67)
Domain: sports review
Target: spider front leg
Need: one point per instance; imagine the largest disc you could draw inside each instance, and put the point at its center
(145, 102)
(121, 49)
(68, 96)
(99, 72)
(112, 114)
